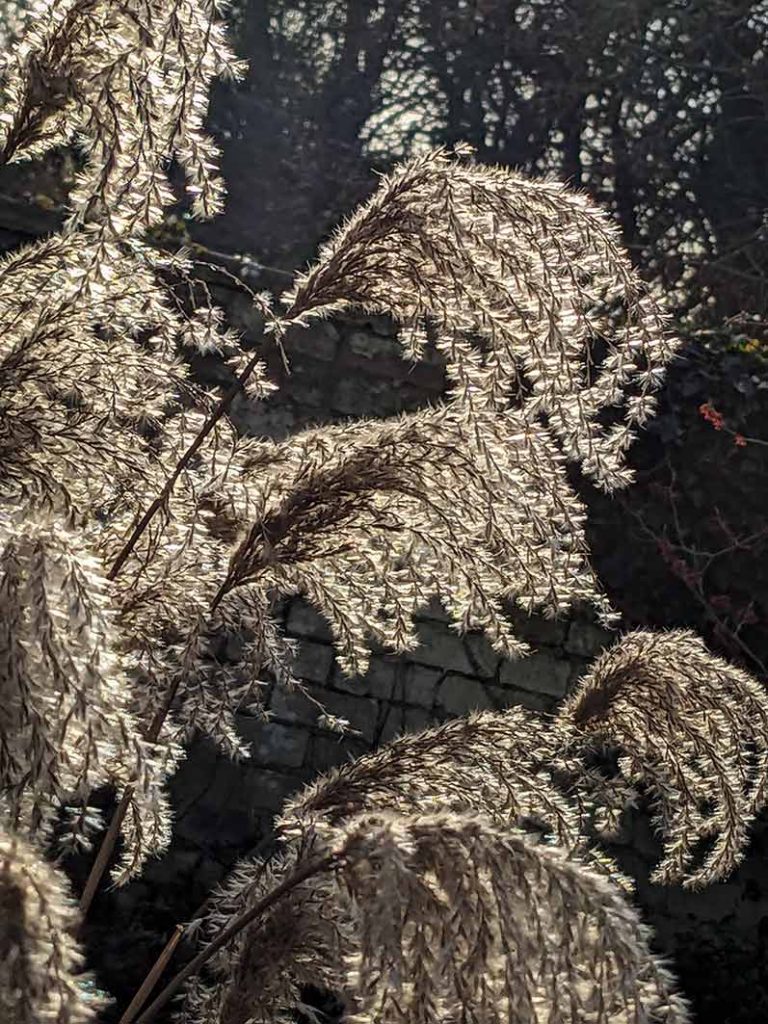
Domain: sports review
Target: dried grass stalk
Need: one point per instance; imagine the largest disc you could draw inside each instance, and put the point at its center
(66, 722)
(439, 917)
(693, 731)
(372, 519)
(40, 979)
(526, 289)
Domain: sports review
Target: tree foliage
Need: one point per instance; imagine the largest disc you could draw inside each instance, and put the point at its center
(656, 109)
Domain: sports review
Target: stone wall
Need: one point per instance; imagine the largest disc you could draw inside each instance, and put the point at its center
(223, 806)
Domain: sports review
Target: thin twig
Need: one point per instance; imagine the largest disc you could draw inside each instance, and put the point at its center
(178, 934)
(697, 594)
(301, 874)
(221, 408)
(105, 851)
(151, 979)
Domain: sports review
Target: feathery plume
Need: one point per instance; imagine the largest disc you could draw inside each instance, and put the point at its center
(40, 979)
(690, 728)
(504, 767)
(66, 724)
(370, 520)
(92, 375)
(440, 916)
(524, 286)
(130, 85)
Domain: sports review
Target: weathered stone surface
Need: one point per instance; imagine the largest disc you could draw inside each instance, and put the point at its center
(314, 661)
(585, 639)
(261, 419)
(381, 324)
(363, 397)
(362, 713)
(440, 647)
(538, 673)
(481, 655)
(458, 695)
(328, 750)
(305, 391)
(541, 632)
(318, 341)
(273, 743)
(374, 346)
(305, 621)
(270, 789)
(418, 685)
(402, 719)
(379, 680)
(212, 802)
(243, 315)
(292, 706)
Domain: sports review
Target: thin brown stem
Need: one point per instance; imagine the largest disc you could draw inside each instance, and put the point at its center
(105, 851)
(110, 839)
(222, 407)
(301, 874)
(151, 979)
(177, 936)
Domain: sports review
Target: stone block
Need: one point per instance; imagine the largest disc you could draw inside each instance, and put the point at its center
(541, 672)
(540, 632)
(229, 825)
(440, 647)
(362, 713)
(419, 685)
(305, 391)
(427, 378)
(586, 639)
(578, 667)
(292, 706)
(379, 680)
(305, 621)
(214, 807)
(172, 868)
(355, 397)
(319, 341)
(482, 656)
(382, 324)
(401, 720)
(410, 397)
(328, 751)
(458, 695)
(270, 790)
(273, 743)
(244, 315)
(192, 782)
(374, 346)
(314, 662)
(208, 874)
